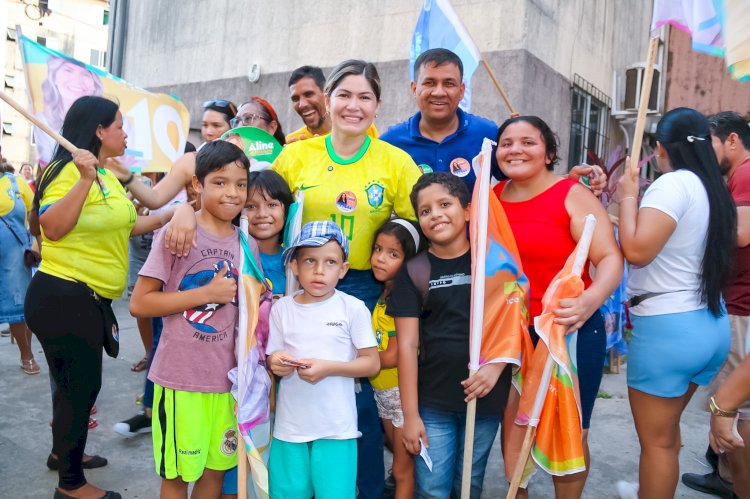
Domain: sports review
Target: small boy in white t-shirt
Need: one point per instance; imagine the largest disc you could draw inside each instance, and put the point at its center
(320, 340)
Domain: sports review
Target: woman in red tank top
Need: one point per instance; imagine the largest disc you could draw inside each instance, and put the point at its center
(546, 213)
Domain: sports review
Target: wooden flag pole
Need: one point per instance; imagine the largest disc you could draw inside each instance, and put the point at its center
(479, 255)
(471, 412)
(43, 126)
(635, 153)
(515, 482)
(242, 470)
(498, 86)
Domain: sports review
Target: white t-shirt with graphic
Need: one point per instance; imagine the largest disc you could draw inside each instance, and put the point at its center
(333, 329)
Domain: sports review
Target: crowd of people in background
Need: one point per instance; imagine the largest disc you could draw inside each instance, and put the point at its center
(375, 343)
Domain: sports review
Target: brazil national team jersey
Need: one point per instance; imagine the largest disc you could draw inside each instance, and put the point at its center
(358, 193)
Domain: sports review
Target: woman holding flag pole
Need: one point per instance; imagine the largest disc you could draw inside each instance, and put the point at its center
(546, 214)
(86, 220)
(681, 244)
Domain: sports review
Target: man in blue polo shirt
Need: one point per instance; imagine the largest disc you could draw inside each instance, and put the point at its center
(441, 137)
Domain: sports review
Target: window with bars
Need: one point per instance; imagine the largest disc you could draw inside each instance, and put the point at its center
(589, 122)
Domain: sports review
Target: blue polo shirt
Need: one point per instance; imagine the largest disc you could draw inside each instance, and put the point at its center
(454, 153)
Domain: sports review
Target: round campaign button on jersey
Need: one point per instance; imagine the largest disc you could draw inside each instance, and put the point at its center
(460, 167)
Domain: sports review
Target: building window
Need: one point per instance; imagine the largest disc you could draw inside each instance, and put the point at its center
(98, 57)
(589, 120)
(105, 17)
(7, 128)
(10, 81)
(10, 34)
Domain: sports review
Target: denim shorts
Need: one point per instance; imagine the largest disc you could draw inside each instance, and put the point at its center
(14, 279)
(670, 351)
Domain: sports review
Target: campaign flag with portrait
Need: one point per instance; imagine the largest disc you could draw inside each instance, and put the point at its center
(156, 124)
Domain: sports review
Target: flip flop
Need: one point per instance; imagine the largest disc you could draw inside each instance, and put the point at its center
(30, 367)
(141, 365)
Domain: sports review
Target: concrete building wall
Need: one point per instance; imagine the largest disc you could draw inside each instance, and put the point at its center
(203, 50)
(701, 81)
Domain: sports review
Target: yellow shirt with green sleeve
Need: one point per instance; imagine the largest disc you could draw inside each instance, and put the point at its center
(95, 251)
(8, 194)
(304, 133)
(359, 193)
(385, 328)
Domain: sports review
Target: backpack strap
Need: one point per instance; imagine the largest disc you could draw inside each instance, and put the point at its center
(419, 272)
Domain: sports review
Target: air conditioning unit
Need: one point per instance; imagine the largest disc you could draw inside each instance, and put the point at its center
(627, 87)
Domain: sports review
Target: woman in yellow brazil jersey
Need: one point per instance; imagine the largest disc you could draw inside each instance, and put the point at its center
(356, 181)
(347, 176)
(86, 220)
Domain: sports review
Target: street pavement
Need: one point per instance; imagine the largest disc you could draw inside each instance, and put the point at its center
(25, 437)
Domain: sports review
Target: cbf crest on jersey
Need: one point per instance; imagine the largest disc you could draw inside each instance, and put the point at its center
(375, 191)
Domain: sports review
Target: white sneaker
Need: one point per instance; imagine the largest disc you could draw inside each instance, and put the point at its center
(626, 490)
(129, 428)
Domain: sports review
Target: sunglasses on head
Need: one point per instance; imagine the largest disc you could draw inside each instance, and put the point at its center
(221, 103)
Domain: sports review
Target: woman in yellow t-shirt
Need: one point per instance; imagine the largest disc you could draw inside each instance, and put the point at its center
(15, 201)
(86, 220)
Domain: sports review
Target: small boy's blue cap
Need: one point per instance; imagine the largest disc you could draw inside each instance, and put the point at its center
(314, 234)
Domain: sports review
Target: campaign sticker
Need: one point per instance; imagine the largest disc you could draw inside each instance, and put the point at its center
(257, 144)
(346, 201)
(460, 167)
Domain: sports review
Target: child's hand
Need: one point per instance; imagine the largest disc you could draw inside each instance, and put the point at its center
(221, 289)
(276, 364)
(318, 370)
(181, 231)
(413, 430)
(483, 381)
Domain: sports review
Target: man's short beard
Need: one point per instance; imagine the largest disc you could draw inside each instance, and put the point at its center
(725, 166)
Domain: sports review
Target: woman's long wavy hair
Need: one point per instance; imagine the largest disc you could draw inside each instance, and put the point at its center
(79, 127)
(684, 134)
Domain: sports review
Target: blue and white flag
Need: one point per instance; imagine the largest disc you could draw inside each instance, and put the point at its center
(438, 26)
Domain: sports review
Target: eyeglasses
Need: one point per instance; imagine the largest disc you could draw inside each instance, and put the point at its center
(221, 103)
(247, 120)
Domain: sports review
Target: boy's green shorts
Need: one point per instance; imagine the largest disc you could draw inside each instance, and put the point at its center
(193, 431)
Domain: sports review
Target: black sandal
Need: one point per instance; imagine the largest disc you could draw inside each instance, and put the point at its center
(107, 495)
